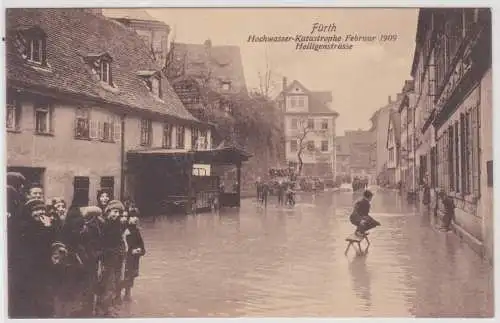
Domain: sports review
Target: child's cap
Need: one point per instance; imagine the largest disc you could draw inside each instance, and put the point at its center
(114, 205)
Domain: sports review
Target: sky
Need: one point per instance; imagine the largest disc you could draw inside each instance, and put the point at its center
(360, 79)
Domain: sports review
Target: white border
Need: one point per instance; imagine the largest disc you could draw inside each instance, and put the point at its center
(257, 3)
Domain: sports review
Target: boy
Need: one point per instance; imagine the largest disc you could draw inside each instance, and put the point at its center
(360, 217)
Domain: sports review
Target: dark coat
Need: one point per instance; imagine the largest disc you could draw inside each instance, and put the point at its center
(134, 241)
(361, 209)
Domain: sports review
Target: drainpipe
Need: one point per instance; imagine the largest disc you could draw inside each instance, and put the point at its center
(122, 158)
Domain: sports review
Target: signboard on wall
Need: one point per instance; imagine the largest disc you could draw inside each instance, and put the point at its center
(201, 170)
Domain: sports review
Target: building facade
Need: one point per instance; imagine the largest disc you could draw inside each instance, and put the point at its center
(309, 125)
(453, 79)
(154, 33)
(362, 148)
(76, 106)
(380, 124)
(407, 151)
(343, 163)
(393, 147)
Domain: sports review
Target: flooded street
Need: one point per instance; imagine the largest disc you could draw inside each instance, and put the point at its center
(291, 262)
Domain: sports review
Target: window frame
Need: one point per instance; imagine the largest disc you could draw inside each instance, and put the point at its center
(180, 134)
(146, 128)
(167, 135)
(322, 145)
(85, 120)
(48, 109)
(13, 105)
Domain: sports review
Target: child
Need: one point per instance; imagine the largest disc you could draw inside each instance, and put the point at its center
(135, 250)
(112, 257)
(360, 217)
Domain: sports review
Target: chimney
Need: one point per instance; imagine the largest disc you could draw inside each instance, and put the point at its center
(389, 99)
(284, 82)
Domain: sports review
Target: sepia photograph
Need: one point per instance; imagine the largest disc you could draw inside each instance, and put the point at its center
(217, 162)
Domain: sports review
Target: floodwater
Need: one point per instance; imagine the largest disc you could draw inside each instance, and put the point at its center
(290, 262)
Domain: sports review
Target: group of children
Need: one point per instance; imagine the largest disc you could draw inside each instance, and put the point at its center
(69, 262)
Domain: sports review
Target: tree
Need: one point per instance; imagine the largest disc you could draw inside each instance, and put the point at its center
(267, 82)
(301, 136)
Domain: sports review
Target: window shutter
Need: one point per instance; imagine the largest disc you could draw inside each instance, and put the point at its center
(117, 131)
(76, 128)
(51, 118)
(93, 129)
(44, 51)
(100, 127)
(110, 74)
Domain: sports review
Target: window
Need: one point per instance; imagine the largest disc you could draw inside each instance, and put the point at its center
(179, 140)
(33, 45)
(226, 86)
(43, 119)
(434, 166)
(106, 129)
(476, 148)
(310, 145)
(203, 140)
(324, 145)
(294, 123)
(456, 158)
(300, 102)
(155, 86)
(324, 124)
(294, 146)
(310, 123)
(81, 190)
(391, 155)
(145, 39)
(13, 113)
(391, 136)
(108, 183)
(146, 132)
(167, 135)
(105, 71)
(82, 124)
(451, 163)
(195, 134)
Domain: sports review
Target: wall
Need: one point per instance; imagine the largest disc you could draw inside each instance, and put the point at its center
(485, 207)
(382, 123)
(61, 155)
(317, 135)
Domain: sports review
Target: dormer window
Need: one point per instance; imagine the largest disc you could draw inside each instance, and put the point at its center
(101, 65)
(152, 80)
(33, 45)
(226, 86)
(104, 72)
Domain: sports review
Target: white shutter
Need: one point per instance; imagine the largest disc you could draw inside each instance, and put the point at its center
(117, 131)
(93, 133)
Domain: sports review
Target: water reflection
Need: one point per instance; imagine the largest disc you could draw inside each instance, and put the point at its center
(361, 279)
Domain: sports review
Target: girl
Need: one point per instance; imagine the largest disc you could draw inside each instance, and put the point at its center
(135, 250)
(103, 198)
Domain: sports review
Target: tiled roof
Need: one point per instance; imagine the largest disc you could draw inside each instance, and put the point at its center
(73, 34)
(224, 63)
(128, 13)
(318, 100)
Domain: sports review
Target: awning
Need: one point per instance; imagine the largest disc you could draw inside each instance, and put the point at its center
(220, 155)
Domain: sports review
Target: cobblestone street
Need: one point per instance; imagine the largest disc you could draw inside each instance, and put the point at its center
(291, 262)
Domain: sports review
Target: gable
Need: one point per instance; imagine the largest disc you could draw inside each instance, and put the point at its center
(296, 88)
